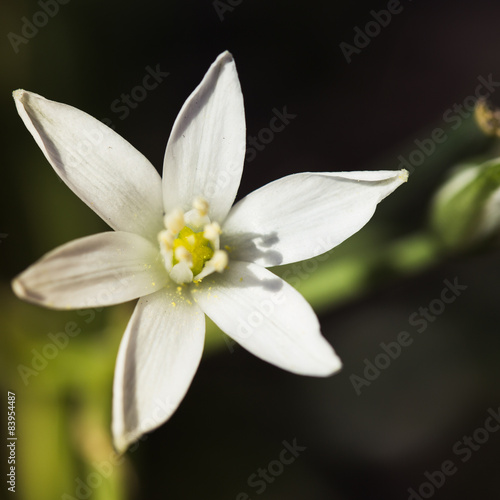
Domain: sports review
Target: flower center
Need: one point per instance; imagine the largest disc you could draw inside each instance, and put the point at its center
(196, 245)
(190, 244)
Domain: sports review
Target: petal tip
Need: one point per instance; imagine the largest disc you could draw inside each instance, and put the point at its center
(321, 369)
(18, 94)
(120, 444)
(122, 439)
(24, 292)
(19, 289)
(403, 175)
(335, 367)
(332, 366)
(225, 57)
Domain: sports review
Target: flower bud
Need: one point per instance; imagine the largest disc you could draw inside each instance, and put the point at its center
(466, 210)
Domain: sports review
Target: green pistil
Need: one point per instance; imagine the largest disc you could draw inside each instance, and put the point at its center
(198, 246)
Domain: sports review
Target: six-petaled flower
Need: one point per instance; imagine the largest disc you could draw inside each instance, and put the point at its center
(183, 249)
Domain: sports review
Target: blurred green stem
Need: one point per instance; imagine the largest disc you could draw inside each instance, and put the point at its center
(352, 276)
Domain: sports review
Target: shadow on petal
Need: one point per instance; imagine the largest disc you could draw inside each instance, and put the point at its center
(197, 105)
(129, 386)
(249, 247)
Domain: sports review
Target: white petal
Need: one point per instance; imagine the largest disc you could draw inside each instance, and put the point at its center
(158, 357)
(304, 215)
(267, 317)
(101, 168)
(98, 270)
(206, 150)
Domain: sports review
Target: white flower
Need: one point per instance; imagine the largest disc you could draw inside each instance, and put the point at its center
(180, 247)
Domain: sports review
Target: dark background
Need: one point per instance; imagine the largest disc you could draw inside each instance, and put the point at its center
(350, 116)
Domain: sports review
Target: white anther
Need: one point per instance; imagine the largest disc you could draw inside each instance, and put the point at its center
(166, 239)
(217, 263)
(219, 260)
(182, 254)
(174, 221)
(181, 273)
(195, 220)
(201, 206)
(211, 231)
